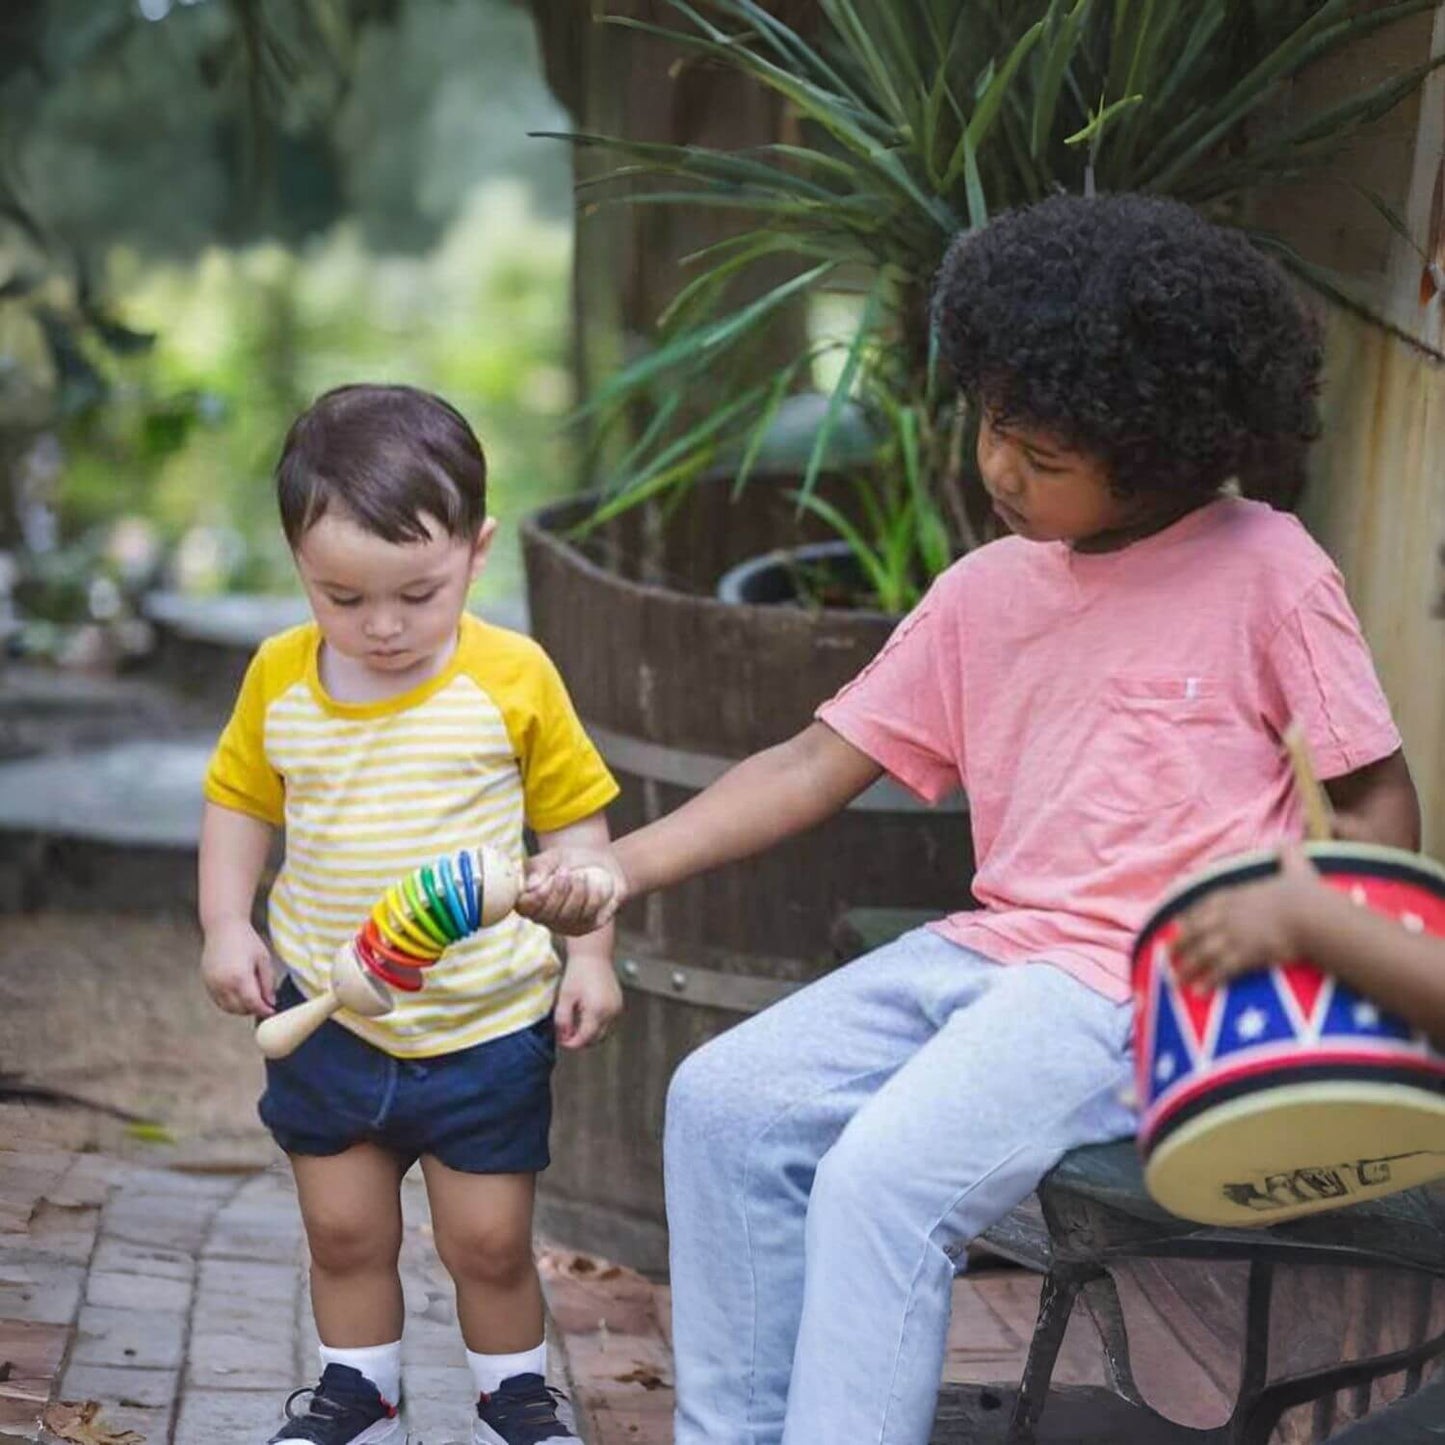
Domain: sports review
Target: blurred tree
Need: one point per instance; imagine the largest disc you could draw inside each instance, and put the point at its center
(629, 261)
(164, 127)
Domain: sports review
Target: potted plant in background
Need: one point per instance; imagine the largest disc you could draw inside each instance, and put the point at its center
(905, 121)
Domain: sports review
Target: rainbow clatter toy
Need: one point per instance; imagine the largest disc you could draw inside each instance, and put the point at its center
(411, 926)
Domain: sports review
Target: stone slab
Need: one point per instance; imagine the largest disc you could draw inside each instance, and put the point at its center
(160, 1220)
(210, 1417)
(244, 620)
(105, 1336)
(137, 1292)
(31, 1353)
(256, 1360)
(141, 793)
(121, 1256)
(39, 1288)
(124, 1385)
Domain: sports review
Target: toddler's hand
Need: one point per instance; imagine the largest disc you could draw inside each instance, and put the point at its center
(1252, 926)
(588, 1002)
(236, 968)
(572, 890)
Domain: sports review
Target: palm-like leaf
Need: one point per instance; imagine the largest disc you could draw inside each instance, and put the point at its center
(921, 117)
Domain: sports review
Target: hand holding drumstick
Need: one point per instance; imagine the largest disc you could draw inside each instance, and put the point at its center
(1295, 914)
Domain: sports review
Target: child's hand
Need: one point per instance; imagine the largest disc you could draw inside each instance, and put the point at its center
(1248, 927)
(588, 1002)
(236, 968)
(572, 890)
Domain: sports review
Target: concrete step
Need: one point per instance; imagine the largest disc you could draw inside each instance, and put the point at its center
(204, 643)
(108, 828)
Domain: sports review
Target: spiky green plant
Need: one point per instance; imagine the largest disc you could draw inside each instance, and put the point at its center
(912, 120)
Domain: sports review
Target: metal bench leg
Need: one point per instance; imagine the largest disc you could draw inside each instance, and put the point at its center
(1247, 1423)
(1101, 1296)
(1056, 1305)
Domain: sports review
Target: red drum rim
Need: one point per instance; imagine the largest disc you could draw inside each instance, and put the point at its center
(1219, 1086)
(1366, 859)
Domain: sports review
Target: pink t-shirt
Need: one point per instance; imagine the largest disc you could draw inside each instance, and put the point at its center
(1116, 719)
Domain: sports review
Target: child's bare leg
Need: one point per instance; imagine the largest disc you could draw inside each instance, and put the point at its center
(351, 1207)
(482, 1224)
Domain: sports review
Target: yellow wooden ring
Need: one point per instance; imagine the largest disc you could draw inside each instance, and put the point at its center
(397, 925)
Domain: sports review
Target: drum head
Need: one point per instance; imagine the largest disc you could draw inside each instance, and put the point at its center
(1297, 1149)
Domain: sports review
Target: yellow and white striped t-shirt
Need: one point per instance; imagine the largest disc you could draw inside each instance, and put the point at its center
(367, 792)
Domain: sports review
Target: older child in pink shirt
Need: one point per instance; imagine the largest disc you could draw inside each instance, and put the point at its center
(1110, 684)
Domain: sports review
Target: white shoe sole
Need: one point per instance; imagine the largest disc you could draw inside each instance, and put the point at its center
(384, 1432)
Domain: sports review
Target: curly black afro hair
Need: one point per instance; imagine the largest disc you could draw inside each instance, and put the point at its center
(1133, 330)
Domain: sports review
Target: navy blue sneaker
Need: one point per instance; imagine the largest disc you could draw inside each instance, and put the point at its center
(523, 1410)
(343, 1408)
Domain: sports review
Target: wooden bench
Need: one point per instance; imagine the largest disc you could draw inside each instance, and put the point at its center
(1092, 1212)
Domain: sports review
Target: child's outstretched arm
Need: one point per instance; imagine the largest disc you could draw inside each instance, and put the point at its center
(1377, 804)
(1296, 915)
(235, 962)
(590, 998)
(768, 797)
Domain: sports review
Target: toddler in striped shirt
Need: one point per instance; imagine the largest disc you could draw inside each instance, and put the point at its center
(392, 728)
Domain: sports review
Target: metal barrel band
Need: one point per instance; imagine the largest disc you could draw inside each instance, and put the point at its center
(706, 987)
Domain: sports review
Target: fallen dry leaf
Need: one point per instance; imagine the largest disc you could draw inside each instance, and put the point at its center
(79, 1424)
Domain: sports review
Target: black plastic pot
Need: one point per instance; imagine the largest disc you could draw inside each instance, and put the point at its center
(795, 575)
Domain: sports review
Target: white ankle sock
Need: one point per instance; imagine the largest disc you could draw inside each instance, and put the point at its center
(490, 1370)
(381, 1364)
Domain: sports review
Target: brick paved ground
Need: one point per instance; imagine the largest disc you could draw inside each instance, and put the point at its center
(177, 1301)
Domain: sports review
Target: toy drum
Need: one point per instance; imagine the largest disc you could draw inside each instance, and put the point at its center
(1285, 1092)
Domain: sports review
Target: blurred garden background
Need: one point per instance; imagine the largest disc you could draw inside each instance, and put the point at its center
(213, 211)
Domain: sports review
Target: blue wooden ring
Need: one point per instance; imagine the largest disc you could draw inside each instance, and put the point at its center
(470, 884)
(452, 898)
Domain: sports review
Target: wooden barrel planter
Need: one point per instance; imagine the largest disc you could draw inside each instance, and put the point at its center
(674, 686)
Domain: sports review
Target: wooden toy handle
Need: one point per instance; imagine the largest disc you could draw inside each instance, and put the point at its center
(285, 1032)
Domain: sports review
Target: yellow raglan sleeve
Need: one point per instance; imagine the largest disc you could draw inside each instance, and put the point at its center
(239, 776)
(563, 776)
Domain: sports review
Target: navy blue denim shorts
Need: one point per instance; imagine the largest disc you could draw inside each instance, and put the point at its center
(482, 1110)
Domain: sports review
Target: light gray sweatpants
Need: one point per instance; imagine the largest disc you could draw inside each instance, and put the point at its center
(827, 1161)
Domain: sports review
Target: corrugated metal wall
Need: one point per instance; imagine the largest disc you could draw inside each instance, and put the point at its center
(1376, 501)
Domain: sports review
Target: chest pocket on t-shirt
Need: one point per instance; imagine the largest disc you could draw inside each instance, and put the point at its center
(1151, 750)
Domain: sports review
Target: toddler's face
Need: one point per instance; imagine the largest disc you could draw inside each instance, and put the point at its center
(392, 607)
(1045, 492)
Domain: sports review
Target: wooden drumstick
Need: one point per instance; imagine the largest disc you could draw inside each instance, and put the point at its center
(1319, 816)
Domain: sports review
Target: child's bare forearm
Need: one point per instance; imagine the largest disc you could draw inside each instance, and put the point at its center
(1378, 804)
(768, 797)
(1400, 970)
(234, 848)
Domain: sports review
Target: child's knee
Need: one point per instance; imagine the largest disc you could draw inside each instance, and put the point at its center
(493, 1254)
(853, 1180)
(345, 1241)
(707, 1099)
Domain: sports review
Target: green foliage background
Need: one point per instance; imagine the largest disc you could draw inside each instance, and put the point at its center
(374, 211)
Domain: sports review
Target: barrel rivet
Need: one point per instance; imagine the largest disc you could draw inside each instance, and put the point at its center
(679, 979)
(629, 968)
